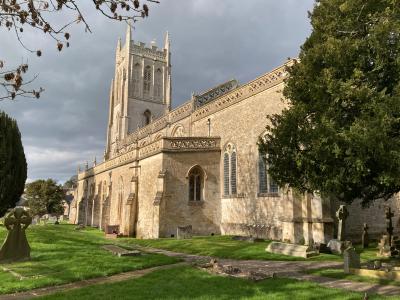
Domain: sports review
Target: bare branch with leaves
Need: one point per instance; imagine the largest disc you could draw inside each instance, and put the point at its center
(16, 16)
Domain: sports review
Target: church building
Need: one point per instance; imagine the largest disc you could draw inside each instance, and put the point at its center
(197, 164)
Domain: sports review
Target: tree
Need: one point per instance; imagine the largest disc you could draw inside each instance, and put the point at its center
(13, 168)
(71, 183)
(45, 197)
(43, 16)
(341, 132)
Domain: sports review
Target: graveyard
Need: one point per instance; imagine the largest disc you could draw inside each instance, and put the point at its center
(70, 262)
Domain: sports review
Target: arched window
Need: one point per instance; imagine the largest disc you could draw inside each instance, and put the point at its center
(147, 117)
(136, 79)
(230, 177)
(196, 184)
(147, 80)
(158, 84)
(266, 184)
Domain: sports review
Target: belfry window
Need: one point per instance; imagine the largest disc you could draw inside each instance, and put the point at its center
(196, 179)
(147, 80)
(136, 79)
(229, 170)
(158, 84)
(147, 117)
(266, 184)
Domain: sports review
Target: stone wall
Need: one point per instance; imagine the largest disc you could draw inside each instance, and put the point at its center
(204, 215)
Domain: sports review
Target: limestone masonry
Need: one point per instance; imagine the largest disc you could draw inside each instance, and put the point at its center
(199, 163)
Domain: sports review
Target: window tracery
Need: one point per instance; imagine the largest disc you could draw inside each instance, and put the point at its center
(229, 170)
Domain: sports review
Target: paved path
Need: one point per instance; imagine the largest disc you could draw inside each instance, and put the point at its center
(289, 269)
(292, 269)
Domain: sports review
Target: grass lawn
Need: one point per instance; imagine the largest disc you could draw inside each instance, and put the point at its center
(223, 247)
(61, 254)
(190, 283)
(339, 274)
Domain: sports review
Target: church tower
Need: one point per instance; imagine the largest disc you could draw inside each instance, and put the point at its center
(141, 89)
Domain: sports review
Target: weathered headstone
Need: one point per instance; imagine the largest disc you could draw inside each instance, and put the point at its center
(184, 232)
(365, 237)
(351, 260)
(384, 246)
(16, 246)
(342, 215)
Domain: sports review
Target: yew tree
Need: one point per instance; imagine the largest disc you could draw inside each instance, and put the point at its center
(341, 132)
(13, 169)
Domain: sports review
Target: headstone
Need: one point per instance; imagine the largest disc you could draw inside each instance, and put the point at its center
(184, 232)
(291, 249)
(116, 250)
(16, 246)
(365, 237)
(337, 247)
(351, 260)
(342, 215)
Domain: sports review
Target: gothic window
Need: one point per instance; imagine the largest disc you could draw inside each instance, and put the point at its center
(230, 176)
(147, 117)
(147, 80)
(158, 84)
(136, 79)
(196, 178)
(265, 182)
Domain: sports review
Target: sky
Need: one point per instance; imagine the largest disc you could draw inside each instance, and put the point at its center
(211, 42)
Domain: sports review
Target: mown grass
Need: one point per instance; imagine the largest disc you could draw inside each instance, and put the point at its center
(339, 274)
(189, 283)
(222, 247)
(61, 254)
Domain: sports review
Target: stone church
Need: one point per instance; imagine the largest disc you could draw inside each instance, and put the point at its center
(197, 164)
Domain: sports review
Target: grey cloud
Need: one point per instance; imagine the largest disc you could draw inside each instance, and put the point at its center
(212, 41)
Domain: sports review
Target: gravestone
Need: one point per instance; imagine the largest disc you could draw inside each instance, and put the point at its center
(365, 237)
(184, 232)
(384, 246)
(16, 246)
(351, 260)
(389, 226)
(291, 249)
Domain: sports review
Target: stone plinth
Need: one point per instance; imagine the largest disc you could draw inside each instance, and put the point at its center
(291, 249)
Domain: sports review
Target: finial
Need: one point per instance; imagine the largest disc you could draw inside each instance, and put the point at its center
(87, 165)
(167, 41)
(94, 162)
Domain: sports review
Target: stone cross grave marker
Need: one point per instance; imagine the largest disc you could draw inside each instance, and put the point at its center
(16, 246)
(389, 226)
(342, 215)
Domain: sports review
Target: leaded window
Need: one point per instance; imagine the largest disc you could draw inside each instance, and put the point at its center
(230, 176)
(136, 79)
(195, 184)
(158, 84)
(266, 183)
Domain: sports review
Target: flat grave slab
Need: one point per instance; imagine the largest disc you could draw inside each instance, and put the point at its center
(116, 250)
(291, 249)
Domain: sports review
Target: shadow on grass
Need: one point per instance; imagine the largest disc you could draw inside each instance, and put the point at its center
(189, 283)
